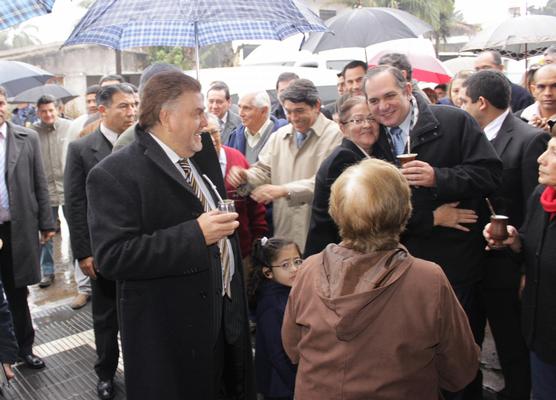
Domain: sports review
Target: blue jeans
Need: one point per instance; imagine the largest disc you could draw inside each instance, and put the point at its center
(47, 251)
(543, 378)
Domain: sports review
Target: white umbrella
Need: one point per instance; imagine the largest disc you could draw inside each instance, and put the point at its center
(516, 38)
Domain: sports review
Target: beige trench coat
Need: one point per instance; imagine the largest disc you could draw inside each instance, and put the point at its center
(282, 163)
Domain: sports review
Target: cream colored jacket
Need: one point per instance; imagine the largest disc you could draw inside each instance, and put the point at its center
(54, 142)
(282, 163)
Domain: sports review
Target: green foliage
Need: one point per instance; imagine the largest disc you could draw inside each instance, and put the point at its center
(219, 55)
(180, 56)
(19, 36)
(548, 9)
(438, 13)
(86, 3)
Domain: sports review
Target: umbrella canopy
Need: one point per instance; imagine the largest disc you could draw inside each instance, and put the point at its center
(122, 24)
(426, 68)
(134, 23)
(362, 27)
(32, 95)
(516, 38)
(13, 12)
(18, 76)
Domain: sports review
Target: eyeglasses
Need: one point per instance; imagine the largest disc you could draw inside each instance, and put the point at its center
(360, 121)
(286, 265)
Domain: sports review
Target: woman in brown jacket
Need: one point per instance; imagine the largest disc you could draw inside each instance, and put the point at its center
(365, 319)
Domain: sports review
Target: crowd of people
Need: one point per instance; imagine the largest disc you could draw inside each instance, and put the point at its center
(359, 248)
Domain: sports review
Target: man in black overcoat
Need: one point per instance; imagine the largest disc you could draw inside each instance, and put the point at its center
(455, 169)
(486, 96)
(182, 302)
(116, 105)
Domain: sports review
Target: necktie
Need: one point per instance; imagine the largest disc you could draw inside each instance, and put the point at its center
(397, 139)
(223, 244)
(4, 199)
(300, 138)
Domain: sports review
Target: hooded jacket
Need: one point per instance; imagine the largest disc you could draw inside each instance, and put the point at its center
(383, 325)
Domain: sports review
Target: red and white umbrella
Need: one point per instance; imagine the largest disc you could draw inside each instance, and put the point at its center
(426, 68)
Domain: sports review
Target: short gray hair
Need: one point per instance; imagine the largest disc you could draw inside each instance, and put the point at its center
(260, 99)
(212, 119)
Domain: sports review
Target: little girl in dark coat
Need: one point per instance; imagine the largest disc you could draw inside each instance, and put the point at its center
(275, 262)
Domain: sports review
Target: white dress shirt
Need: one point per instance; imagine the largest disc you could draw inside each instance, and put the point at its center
(493, 127)
(174, 158)
(109, 134)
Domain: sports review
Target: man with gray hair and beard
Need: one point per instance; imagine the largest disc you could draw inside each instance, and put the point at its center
(285, 172)
(257, 124)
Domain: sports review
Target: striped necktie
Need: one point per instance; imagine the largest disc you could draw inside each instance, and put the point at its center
(223, 244)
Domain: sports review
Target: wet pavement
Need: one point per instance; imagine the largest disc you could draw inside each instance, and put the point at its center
(64, 286)
(65, 340)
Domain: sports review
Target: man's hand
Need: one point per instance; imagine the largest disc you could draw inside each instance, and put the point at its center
(87, 265)
(419, 173)
(540, 122)
(512, 241)
(9, 371)
(46, 236)
(237, 176)
(449, 216)
(267, 193)
(216, 225)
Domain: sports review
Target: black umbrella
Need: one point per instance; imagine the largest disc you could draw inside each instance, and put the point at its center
(32, 95)
(362, 27)
(16, 76)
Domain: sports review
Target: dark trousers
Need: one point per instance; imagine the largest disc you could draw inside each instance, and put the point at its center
(469, 298)
(16, 296)
(105, 326)
(229, 365)
(502, 310)
(544, 379)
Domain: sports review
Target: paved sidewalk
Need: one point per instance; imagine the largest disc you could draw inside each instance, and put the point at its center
(65, 340)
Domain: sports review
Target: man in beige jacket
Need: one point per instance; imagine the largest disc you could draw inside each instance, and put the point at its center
(285, 172)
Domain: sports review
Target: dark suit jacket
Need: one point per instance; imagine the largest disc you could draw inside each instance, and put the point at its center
(467, 170)
(518, 145)
(232, 122)
(29, 202)
(83, 155)
(142, 217)
(322, 229)
(520, 97)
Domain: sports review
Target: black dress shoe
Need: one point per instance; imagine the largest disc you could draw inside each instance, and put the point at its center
(32, 361)
(105, 389)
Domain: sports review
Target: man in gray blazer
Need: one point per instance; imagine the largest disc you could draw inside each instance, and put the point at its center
(219, 104)
(116, 105)
(23, 199)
